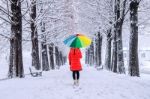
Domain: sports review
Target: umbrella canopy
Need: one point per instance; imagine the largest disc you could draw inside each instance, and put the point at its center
(77, 41)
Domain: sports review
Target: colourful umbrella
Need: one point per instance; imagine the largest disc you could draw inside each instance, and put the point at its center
(77, 41)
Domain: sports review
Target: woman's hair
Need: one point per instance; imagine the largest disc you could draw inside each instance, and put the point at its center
(74, 50)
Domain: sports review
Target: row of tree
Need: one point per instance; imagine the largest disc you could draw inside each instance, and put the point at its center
(114, 59)
(36, 17)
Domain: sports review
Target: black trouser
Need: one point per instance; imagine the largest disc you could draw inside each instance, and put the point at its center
(75, 75)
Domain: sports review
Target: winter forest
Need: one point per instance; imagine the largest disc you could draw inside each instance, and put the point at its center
(34, 59)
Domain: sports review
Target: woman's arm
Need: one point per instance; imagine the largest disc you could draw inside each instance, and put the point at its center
(69, 58)
(80, 54)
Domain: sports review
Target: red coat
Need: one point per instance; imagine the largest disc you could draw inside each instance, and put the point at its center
(74, 59)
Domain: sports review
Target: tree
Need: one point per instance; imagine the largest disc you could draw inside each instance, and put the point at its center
(51, 56)
(16, 63)
(91, 53)
(108, 50)
(45, 62)
(119, 24)
(98, 49)
(118, 61)
(34, 37)
(57, 57)
(86, 56)
(133, 46)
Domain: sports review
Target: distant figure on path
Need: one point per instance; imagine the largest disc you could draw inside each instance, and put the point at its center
(75, 65)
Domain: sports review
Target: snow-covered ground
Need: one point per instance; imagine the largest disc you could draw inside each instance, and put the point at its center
(58, 84)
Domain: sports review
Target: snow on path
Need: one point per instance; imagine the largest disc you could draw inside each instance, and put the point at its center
(58, 84)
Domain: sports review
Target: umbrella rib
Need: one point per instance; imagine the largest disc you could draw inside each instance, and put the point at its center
(77, 41)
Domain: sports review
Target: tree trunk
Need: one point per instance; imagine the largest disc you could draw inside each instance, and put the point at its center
(119, 24)
(45, 64)
(133, 49)
(86, 56)
(118, 60)
(16, 63)
(61, 58)
(96, 52)
(51, 47)
(114, 54)
(91, 50)
(99, 48)
(11, 59)
(108, 51)
(34, 37)
(57, 56)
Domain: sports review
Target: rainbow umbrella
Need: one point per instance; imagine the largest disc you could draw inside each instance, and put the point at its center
(77, 41)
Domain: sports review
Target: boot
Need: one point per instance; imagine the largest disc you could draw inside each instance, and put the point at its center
(77, 82)
(74, 83)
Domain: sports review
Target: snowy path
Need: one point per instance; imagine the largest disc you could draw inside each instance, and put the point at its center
(93, 85)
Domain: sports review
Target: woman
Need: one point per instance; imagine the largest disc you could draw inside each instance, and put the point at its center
(75, 65)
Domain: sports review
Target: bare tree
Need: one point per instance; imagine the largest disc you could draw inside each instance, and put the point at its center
(108, 50)
(133, 49)
(51, 56)
(16, 63)
(34, 36)
(45, 62)
(98, 49)
(118, 61)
